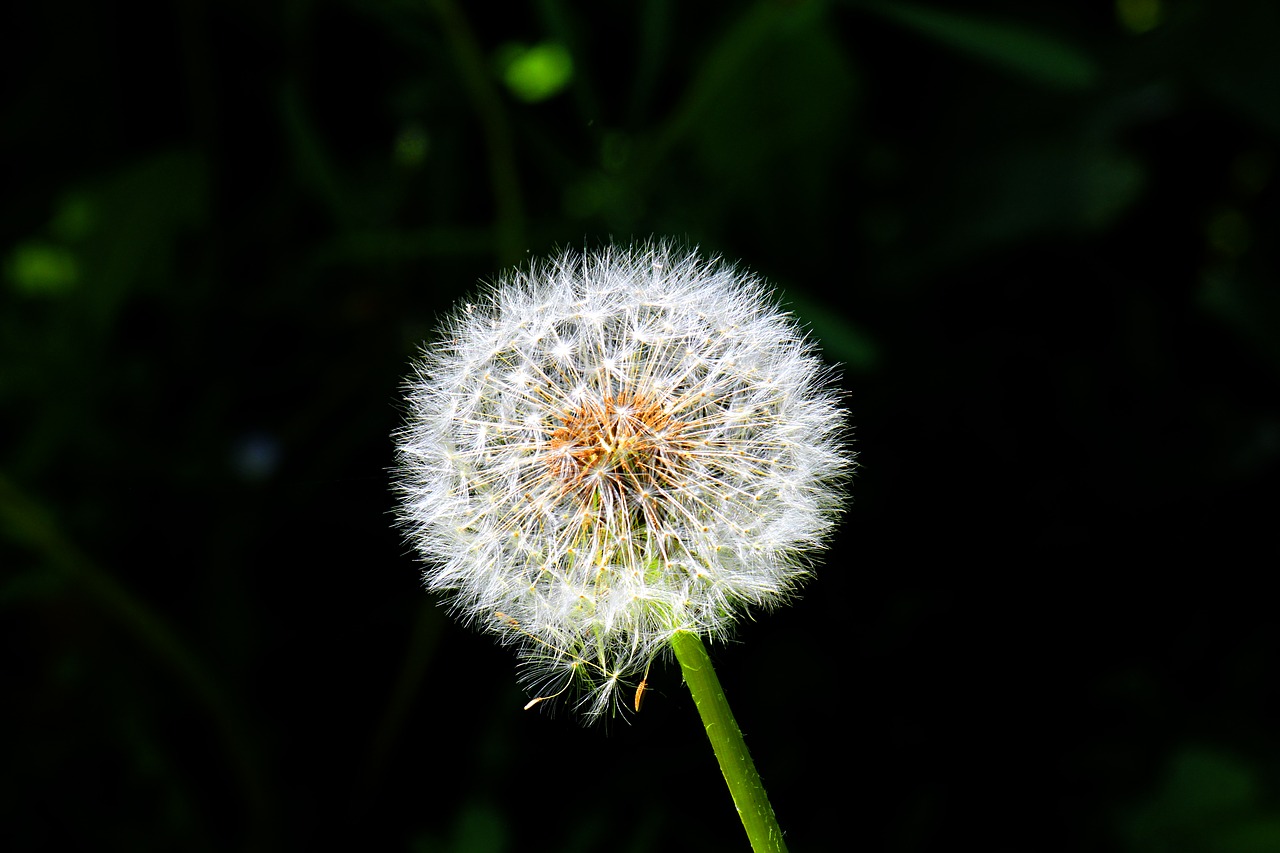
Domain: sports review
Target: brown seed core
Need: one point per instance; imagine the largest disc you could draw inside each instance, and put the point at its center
(620, 449)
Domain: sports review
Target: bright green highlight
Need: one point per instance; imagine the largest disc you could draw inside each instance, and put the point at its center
(42, 268)
(726, 741)
(536, 73)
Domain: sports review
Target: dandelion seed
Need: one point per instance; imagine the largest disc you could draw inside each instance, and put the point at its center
(613, 447)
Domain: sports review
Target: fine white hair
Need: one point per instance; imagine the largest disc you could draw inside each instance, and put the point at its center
(609, 447)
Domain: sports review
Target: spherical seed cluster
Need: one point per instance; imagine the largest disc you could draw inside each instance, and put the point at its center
(609, 448)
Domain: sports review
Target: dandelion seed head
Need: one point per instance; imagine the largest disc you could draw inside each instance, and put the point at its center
(607, 448)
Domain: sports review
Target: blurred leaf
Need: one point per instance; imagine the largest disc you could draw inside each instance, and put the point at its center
(1203, 782)
(1248, 304)
(480, 829)
(477, 828)
(1208, 801)
(75, 219)
(411, 146)
(778, 61)
(1139, 16)
(31, 585)
(1257, 836)
(737, 52)
(841, 339)
(1031, 54)
(310, 156)
(1037, 186)
(1238, 62)
(29, 524)
(140, 211)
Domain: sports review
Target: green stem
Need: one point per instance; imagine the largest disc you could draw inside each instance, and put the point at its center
(27, 522)
(504, 177)
(730, 749)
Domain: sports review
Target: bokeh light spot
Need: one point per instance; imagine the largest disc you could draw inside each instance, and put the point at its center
(1139, 16)
(536, 73)
(42, 268)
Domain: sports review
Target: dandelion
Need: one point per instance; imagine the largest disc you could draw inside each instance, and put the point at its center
(616, 454)
(611, 449)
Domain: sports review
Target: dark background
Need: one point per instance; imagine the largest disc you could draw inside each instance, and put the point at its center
(1041, 239)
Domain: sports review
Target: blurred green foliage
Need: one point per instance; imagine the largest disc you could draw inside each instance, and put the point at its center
(1208, 800)
(1039, 238)
(1022, 50)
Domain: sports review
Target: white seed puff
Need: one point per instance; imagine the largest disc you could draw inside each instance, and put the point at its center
(607, 448)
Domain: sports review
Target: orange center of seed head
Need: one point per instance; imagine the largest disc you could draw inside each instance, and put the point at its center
(624, 450)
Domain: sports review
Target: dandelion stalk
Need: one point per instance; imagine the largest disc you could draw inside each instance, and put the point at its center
(503, 177)
(31, 524)
(726, 741)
